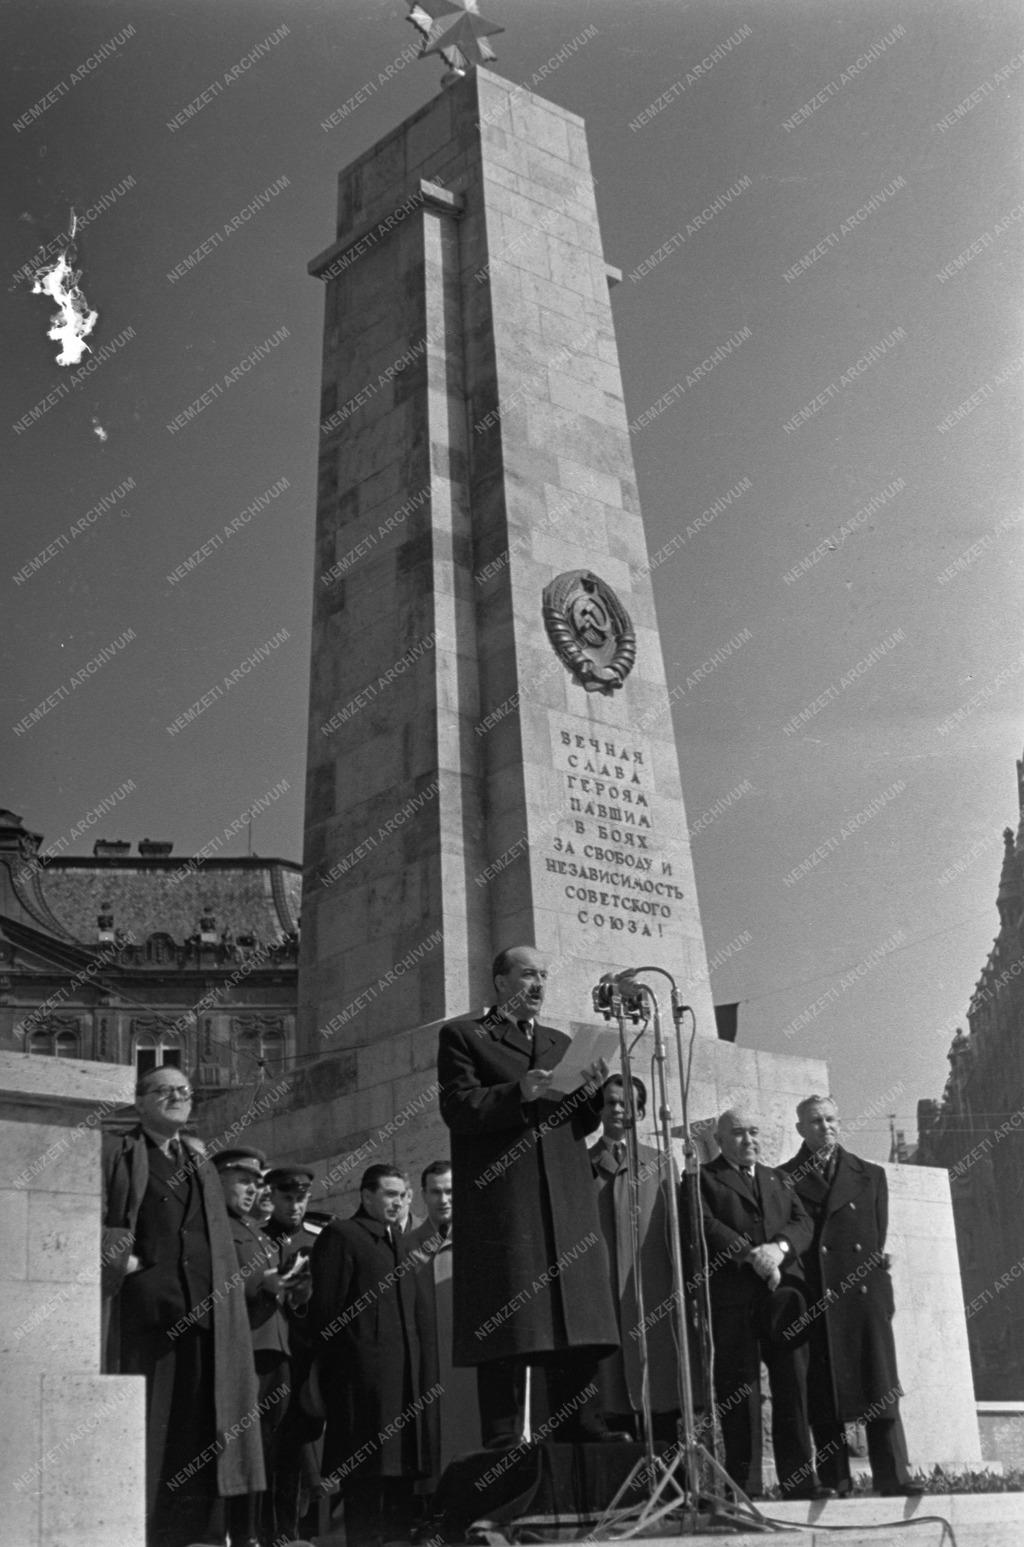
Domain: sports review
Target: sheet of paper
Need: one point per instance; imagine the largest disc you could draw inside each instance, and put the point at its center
(589, 1043)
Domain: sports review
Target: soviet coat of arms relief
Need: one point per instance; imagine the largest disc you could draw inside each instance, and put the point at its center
(590, 630)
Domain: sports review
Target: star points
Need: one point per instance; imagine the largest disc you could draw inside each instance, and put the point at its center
(455, 30)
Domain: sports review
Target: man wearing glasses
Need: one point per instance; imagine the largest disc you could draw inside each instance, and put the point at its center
(177, 1316)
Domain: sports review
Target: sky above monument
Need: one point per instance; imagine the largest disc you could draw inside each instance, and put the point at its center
(839, 184)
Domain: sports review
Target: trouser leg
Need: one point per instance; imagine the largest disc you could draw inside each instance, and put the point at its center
(786, 1358)
(737, 1369)
(363, 1508)
(396, 1497)
(186, 1506)
(574, 1400)
(499, 1388)
(887, 1451)
(831, 1453)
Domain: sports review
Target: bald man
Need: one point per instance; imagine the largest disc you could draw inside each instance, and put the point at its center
(757, 1229)
(529, 1272)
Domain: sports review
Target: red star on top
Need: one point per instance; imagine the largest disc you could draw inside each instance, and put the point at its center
(455, 30)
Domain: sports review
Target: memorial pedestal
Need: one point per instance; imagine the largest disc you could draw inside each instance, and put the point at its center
(72, 1464)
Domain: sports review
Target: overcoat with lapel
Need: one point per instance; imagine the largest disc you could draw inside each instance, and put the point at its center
(364, 1313)
(620, 1375)
(125, 1179)
(453, 1422)
(736, 1218)
(849, 1290)
(530, 1270)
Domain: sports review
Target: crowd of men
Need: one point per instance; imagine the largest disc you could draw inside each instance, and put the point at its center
(295, 1358)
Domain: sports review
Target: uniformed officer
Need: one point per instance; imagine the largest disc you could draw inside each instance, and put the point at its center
(267, 1289)
(296, 1476)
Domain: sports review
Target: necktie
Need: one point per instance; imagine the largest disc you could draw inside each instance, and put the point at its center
(174, 1151)
(618, 1151)
(526, 1027)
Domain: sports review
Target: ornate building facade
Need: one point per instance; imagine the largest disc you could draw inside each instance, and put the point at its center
(977, 1132)
(144, 959)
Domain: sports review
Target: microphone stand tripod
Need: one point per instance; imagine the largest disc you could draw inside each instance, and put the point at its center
(692, 1477)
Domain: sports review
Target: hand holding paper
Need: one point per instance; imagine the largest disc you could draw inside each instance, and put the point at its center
(587, 1060)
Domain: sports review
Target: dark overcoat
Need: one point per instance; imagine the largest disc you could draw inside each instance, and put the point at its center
(849, 1289)
(620, 1376)
(734, 1221)
(125, 1179)
(530, 1270)
(453, 1422)
(364, 1313)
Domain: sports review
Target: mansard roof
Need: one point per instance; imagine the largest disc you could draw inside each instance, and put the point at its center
(144, 894)
(162, 895)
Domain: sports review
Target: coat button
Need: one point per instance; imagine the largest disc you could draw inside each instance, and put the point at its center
(856, 1246)
(853, 1206)
(863, 1289)
(824, 1251)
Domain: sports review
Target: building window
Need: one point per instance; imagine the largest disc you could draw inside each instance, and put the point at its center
(261, 1042)
(155, 1049)
(60, 1041)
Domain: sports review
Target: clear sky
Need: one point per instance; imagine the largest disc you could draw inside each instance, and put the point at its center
(873, 714)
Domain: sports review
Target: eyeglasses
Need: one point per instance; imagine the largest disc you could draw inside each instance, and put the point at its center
(171, 1092)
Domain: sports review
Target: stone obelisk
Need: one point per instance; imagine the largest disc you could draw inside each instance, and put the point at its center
(491, 753)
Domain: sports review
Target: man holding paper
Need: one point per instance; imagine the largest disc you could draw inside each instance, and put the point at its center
(529, 1269)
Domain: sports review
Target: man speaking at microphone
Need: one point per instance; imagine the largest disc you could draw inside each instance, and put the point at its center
(529, 1269)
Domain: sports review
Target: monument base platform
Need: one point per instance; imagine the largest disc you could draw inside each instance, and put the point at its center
(568, 1482)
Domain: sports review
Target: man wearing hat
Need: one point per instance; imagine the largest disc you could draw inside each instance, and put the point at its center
(177, 1315)
(241, 1173)
(296, 1462)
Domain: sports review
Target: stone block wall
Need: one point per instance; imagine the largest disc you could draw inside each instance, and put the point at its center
(934, 1362)
(72, 1465)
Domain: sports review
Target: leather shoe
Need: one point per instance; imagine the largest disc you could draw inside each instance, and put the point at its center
(809, 1491)
(901, 1491)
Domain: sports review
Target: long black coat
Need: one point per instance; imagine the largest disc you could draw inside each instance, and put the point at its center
(734, 1221)
(849, 1290)
(528, 1254)
(125, 1179)
(363, 1309)
(620, 1376)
